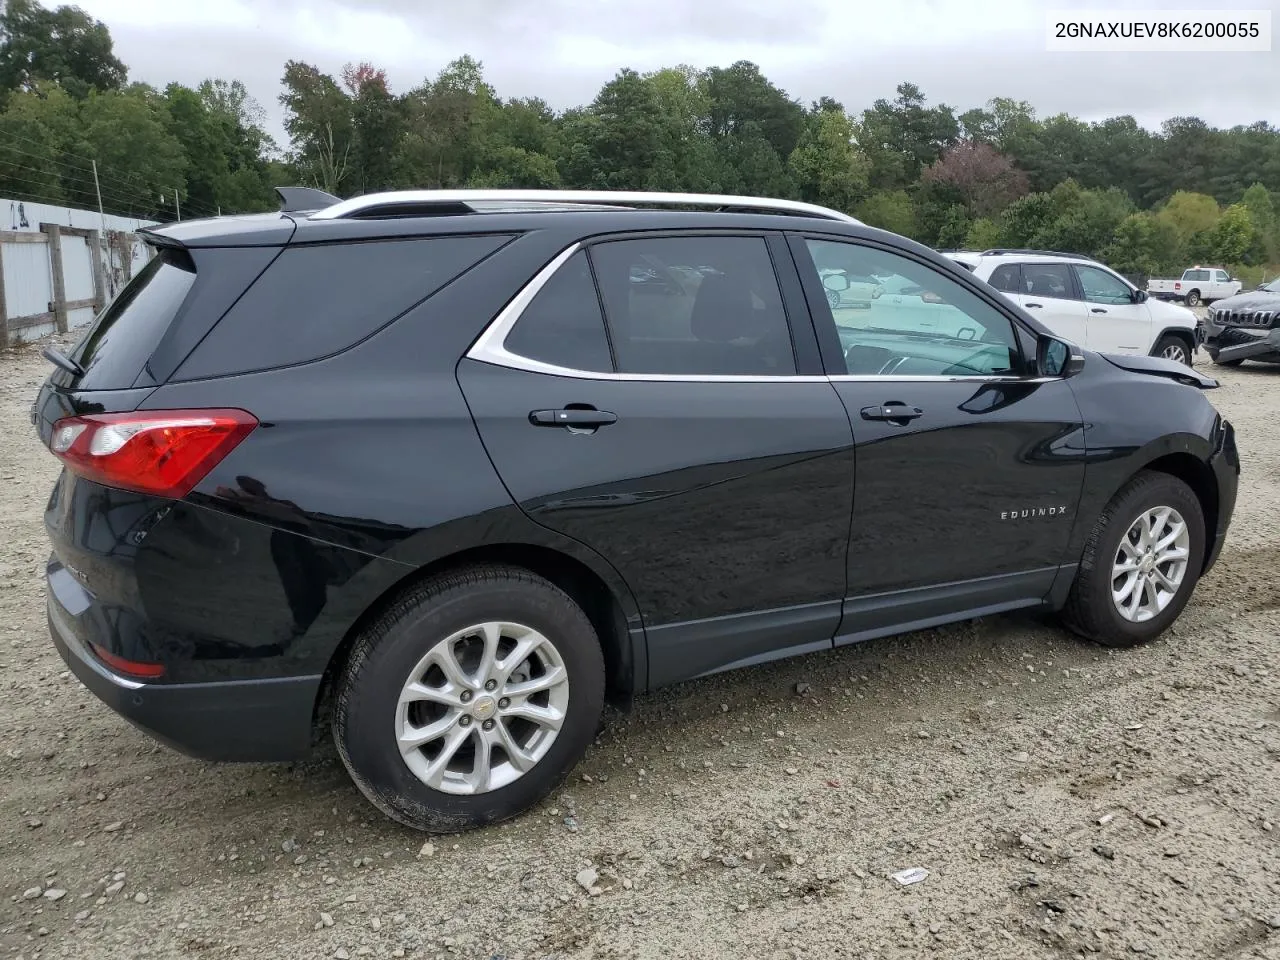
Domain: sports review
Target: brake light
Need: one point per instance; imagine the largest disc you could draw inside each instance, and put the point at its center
(160, 452)
(1177, 286)
(130, 668)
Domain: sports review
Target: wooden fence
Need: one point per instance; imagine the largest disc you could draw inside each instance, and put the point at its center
(58, 279)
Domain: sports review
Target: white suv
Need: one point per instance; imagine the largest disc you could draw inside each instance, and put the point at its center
(1082, 301)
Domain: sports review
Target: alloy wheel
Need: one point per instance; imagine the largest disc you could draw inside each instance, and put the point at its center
(482, 708)
(1150, 564)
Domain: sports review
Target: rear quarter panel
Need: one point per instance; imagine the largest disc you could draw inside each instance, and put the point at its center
(374, 451)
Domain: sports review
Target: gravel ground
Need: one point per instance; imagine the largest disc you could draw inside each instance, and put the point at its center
(1067, 801)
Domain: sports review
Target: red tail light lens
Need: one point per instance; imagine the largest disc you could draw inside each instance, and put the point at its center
(130, 668)
(160, 452)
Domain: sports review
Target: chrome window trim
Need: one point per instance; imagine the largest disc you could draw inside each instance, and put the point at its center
(490, 348)
(764, 205)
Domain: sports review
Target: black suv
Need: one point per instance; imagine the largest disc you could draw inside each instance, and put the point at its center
(446, 470)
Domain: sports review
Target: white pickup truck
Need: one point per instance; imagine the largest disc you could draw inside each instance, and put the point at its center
(1197, 285)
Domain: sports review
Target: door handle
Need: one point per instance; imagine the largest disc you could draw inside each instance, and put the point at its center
(1098, 310)
(1033, 306)
(893, 411)
(572, 417)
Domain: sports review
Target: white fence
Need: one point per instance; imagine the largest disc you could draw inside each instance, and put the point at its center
(59, 266)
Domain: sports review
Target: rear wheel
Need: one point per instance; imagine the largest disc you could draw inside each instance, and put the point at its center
(1193, 298)
(1141, 563)
(1173, 348)
(470, 699)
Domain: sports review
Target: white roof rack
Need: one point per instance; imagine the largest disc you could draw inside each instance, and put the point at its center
(477, 200)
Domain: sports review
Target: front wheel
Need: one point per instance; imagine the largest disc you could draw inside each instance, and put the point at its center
(470, 699)
(1228, 363)
(1173, 348)
(1140, 564)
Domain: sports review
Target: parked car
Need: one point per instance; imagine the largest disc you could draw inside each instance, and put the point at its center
(427, 469)
(1087, 303)
(1245, 327)
(1197, 285)
(844, 290)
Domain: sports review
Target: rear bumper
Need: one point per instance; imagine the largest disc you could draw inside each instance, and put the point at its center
(1225, 462)
(249, 720)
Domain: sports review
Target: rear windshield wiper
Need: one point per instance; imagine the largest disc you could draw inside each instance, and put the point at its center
(62, 361)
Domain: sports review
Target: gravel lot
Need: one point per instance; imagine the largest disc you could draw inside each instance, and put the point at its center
(1066, 801)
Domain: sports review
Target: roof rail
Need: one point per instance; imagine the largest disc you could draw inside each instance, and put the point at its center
(1001, 251)
(299, 199)
(417, 203)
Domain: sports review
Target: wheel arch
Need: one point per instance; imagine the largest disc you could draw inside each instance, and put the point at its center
(1196, 474)
(1186, 335)
(603, 597)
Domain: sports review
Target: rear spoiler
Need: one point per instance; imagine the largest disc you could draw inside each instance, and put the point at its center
(304, 199)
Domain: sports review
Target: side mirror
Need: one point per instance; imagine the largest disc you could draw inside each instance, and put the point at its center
(836, 282)
(1057, 358)
(1141, 296)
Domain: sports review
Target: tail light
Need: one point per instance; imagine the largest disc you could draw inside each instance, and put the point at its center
(130, 668)
(160, 452)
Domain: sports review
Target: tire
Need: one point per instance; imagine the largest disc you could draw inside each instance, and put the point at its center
(1091, 609)
(1228, 363)
(1169, 345)
(833, 299)
(369, 718)
(1193, 298)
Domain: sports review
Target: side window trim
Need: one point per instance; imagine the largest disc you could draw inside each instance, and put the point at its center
(490, 348)
(829, 339)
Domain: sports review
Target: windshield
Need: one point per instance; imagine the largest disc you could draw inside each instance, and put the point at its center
(1273, 286)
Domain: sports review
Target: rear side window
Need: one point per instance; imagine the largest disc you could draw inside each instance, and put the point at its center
(1007, 277)
(563, 325)
(1049, 280)
(694, 306)
(316, 301)
(125, 334)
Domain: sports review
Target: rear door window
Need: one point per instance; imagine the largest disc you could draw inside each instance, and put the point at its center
(563, 324)
(1007, 278)
(122, 339)
(694, 306)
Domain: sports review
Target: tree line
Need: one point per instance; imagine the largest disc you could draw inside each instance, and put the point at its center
(997, 175)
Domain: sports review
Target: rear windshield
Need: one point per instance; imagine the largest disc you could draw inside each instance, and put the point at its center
(125, 334)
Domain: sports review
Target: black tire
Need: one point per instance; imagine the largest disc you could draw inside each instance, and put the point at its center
(384, 655)
(1171, 343)
(1090, 610)
(1193, 298)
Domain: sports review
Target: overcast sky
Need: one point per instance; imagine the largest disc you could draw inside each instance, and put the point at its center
(961, 52)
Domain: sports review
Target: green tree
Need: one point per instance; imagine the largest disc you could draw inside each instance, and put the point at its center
(890, 210)
(127, 132)
(63, 46)
(983, 235)
(1190, 213)
(903, 136)
(1144, 245)
(1261, 207)
(320, 124)
(1234, 237)
(37, 136)
(828, 167)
